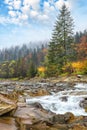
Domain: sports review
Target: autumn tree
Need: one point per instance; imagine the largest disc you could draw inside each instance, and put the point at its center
(82, 48)
(12, 68)
(60, 47)
(4, 70)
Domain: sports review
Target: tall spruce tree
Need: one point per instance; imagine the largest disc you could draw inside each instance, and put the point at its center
(60, 47)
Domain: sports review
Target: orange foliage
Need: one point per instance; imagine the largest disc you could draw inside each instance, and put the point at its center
(82, 48)
(41, 69)
(83, 39)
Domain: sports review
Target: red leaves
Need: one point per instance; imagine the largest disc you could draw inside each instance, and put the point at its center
(82, 48)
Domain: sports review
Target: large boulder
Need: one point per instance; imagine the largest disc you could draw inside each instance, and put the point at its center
(83, 104)
(62, 119)
(6, 104)
(29, 116)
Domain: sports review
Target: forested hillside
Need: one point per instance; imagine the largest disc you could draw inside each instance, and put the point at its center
(24, 61)
(65, 53)
(21, 61)
(17, 52)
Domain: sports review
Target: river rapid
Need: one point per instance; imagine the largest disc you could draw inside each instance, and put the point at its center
(44, 104)
(69, 100)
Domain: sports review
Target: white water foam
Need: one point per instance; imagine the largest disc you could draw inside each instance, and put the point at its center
(81, 86)
(62, 102)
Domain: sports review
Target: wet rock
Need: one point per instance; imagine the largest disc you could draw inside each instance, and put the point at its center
(58, 119)
(8, 123)
(43, 125)
(37, 105)
(39, 92)
(79, 76)
(60, 126)
(42, 84)
(83, 104)
(62, 119)
(34, 117)
(85, 119)
(39, 126)
(6, 104)
(69, 117)
(64, 98)
(31, 112)
(29, 116)
(78, 127)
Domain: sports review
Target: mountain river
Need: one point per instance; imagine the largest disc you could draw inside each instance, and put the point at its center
(64, 101)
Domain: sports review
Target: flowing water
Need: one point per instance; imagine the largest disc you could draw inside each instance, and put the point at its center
(64, 101)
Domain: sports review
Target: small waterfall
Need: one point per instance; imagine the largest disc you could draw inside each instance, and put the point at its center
(64, 101)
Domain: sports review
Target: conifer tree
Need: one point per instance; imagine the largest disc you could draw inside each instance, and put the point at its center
(60, 47)
(32, 70)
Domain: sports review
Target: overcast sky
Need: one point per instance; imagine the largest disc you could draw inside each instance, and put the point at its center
(22, 21)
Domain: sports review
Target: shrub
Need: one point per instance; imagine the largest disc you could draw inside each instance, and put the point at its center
(41, 71)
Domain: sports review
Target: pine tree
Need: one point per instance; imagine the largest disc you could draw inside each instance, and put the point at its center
(32, 70)
(60, 47)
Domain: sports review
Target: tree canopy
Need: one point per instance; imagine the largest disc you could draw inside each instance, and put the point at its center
(60, 46)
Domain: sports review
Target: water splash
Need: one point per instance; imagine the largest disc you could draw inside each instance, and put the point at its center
(64, 101)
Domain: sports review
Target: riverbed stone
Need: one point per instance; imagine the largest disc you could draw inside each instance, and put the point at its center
(8, 123)
(39, 92)
(6, 104)
(34, 117)
(78, 127)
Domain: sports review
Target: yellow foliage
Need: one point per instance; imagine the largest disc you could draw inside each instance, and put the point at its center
(79, 66)
(68, 68)
(76, 67)
(41, 69)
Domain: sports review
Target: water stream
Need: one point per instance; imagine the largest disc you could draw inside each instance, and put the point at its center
(64, 101)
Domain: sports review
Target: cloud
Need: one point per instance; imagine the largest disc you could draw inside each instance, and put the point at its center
(32, 3)
(13, 3)
(43, 17)
(25, 9)
(60, 3)
(12, 13)
(10, 3)
(48, 8)
(7, 1)
(35, 18)
(33, 13)
(22, 11)
(17, 4)
(24, 17)
(2, 20)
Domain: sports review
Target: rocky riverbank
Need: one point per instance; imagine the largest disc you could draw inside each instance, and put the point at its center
(17, 113)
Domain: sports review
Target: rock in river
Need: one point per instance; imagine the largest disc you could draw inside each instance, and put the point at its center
(6, 104)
